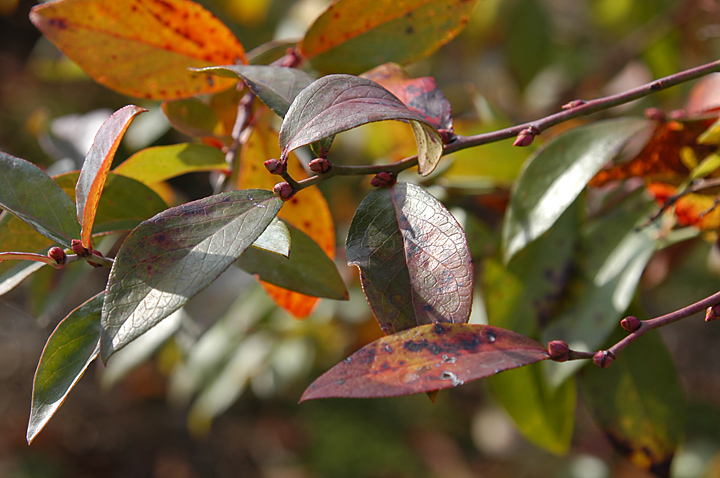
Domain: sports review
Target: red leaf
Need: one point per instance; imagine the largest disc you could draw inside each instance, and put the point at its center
(425, 359)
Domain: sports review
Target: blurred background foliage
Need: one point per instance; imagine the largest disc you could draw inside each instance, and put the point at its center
(213, 392)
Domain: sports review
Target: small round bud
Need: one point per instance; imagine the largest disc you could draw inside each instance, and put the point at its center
(283, 190)
(78, 248)
(526, 136)
(603, 358)
(712, 313)
(655, 114)
(319, 165)
(275, 166)
(383, 179)
(447, 135)
(573, 104)
(559, 351)
(630, 323)
(98, 254)
(57, 254)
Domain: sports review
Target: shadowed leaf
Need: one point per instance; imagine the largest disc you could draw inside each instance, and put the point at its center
(31, 195)
(275, 239)
(96, 166)
(142, 48)
(338, 103)
(424, 359)
(193, 117)
(413, 256)
(169, 258)
(70, 349)
(352, 36)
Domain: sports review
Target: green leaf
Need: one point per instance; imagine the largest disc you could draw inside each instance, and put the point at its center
(30, 194)
(337, 103)
(171, 257)
(307, 270)
(276, 86)
(17, 235)
(70, 349)
(638, 402)
(192, 117)
(159, 163)
(528, 39)
(352, 36)
(275, 239)
(556, 175)
(413, 256)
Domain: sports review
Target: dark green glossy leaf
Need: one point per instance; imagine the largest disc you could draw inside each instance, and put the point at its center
(70, 349)
(159, 163)
(192, 117)
(30, 194)
(638, 402)
(307, 270)
(413, 256)
(556, 175)
(425, 359)
(169, 258)
(336, 103)
(276, 86)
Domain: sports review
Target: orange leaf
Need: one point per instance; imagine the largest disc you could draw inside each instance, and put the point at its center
(141, 48)
(307, 210)
(697, 210)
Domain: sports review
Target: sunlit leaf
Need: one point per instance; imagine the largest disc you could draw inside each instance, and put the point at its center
(275, 239)
(70, 349)
(97, 165)
(141, 48)
(352, 36)
(556, 175)
(26, 256)
(159, 163)
(424, 359)
(17, 235)
(638, 402)
(169, 258)
(30, 194)
(193, 117)
(336, 103)
(276, 86)
(413, 256)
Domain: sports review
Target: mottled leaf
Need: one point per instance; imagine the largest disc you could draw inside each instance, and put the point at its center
(141, 48)
(352, 36)
(413, 256)
(556, 175)
(337, 103)
(193, 117)
(169, 258)
(638, 402)
(307, 270)
(276, 86)
(29, 194)
(70, 349)
(97, 165)
(424, 359)
(159, 163)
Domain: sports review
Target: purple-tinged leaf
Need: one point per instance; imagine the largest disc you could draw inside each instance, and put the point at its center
(425, 359)
(70, 349)
(31, 195)
(337, 103)
(27, 256)
(171, 257)
(413, 256)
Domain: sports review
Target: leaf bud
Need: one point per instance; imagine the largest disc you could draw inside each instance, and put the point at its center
(712, 313)
(283, 190)
(78, 248)
(559, 350)
(526, 136)
(603, 358)
(319, 165)
(630, 323)
(573, 104)
(275, 166)
(655, 114)
(57, 254)
(383, 179)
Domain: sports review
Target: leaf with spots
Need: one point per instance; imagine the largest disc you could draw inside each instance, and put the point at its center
(141, 48)
(413, 256)
(29, 194)
(171, 257)
(425, 359)
(352, 36)
(337, 103)
(307, 210)
(70, 349)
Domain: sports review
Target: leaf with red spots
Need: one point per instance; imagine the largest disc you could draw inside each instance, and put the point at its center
(413, 256)
(352, 36)
(172, 256)
(421, 95)
(142, 48)
(425, 359)
(337, 103)
(97, 165)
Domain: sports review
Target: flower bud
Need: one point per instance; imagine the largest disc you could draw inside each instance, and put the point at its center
(275, 166)
(603, 358)
(319, 165)
(712, 313)
(283, 190)
(78, 248)
(630, 323)
(383, 179)
(526, 136)
(57, 254)
(559, 351)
